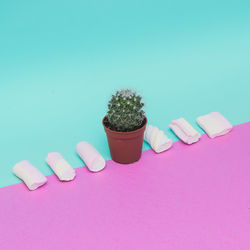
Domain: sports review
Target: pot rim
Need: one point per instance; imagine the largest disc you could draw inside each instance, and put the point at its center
(120, 132)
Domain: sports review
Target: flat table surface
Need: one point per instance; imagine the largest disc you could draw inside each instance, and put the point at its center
(60, 62)
(200, 200)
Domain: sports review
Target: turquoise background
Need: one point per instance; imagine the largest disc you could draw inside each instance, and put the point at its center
(61, 60)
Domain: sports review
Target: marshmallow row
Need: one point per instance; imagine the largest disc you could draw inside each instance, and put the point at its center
(33, 178)
(214, 124)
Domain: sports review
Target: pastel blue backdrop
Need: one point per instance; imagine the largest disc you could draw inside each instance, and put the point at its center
(60, 61)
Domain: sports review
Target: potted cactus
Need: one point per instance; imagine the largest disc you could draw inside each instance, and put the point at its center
(124, 125)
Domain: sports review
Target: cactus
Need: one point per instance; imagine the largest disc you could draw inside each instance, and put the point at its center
(125, 111)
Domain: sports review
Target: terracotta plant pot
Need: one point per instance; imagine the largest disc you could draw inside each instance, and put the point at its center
(125, 147)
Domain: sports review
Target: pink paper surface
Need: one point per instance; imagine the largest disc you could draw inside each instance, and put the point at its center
(192, 197)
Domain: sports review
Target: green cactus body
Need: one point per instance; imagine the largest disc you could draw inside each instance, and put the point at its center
(125, 111)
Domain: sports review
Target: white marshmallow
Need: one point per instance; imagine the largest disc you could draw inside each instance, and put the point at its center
(185, 131)
(60, 167)
(92, 158)
(31, 176)
(214, 124)
(157, 139)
